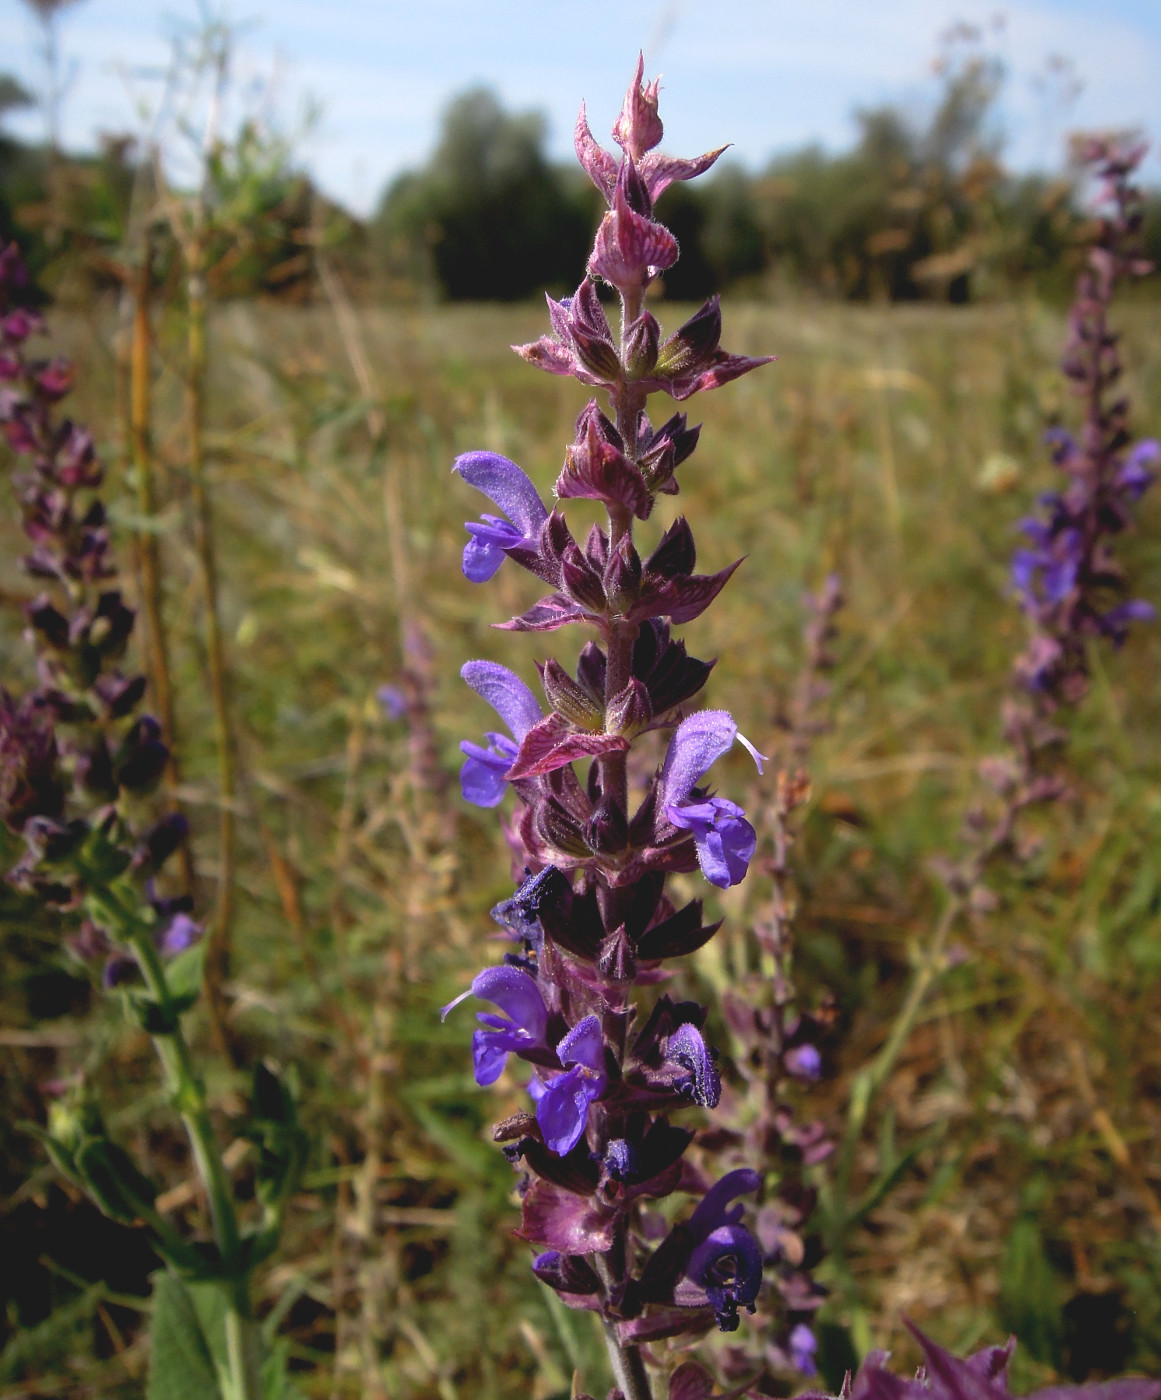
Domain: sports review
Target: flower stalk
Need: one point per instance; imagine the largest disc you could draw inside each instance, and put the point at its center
(591, 922)
(78, 764)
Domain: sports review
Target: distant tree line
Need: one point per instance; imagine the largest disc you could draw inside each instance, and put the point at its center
(916, 209)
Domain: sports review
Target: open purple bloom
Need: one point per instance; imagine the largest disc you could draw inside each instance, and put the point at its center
(482, 776)
(722, 836)
(393, 700)
(523, 1026)
(726, 1260)
(503, 482)
(802, 1346)
(803, 1061)
(1134, 477)
(562, 1104)
(182, 932)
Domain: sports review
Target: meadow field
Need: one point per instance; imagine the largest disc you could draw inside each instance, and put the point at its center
(1006, 1177)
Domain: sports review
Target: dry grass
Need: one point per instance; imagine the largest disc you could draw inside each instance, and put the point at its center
(896, 446)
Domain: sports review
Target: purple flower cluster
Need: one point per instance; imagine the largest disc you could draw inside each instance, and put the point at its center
(1067, 578)
(606, 1069)
(981, 1376)
(75, 755)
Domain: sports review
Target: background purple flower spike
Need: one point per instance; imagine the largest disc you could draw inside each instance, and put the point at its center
(503, 482)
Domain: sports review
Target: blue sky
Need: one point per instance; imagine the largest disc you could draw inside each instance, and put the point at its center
(766, 74)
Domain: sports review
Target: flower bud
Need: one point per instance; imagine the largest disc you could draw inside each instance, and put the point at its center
(568, 699)
(629, 711)
(641, 344)
(141, 758)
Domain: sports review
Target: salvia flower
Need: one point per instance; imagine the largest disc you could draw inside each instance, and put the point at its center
(482, 777)
(722, 836)
(1067, 578)
(522, 1027)
(726, 1260)
(492, 537)
(562, 1102)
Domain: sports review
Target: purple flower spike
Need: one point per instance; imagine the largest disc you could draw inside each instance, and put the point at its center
(726, 1260)
(482, 776)
(562, 1107)
(504, 483)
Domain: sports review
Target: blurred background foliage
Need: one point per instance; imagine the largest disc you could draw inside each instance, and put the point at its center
(922, 207)
(1008, 1178)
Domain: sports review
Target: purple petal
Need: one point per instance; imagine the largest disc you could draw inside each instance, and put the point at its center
(697, 743)
(393, 700)
(723, 838)
(181, 934)
(484, 552)
(584, 1045)
(563, 1109)
(482, 780)
(503, 482)
(803, 1061)
(517, 996)
(711, 1211)
(802, 1348)
(728, 1265)
(506, 693)
(490, 1050)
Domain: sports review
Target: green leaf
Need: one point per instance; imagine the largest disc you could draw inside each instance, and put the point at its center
(184, 973)
(114, 1181)
(181, 1365)
(1031, 1293)
(276, 1381)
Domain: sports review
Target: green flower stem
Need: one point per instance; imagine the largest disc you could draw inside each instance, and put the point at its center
(189, 1095)
(628, 1365)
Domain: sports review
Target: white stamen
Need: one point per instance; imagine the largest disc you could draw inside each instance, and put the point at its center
(451, 1006)
(759, 758)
